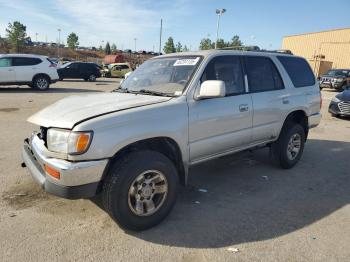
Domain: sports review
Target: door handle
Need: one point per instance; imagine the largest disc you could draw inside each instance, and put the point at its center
(10, 70)
(243, 107)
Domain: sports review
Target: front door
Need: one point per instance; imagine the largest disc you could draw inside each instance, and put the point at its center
(221, 125)
(7, 72)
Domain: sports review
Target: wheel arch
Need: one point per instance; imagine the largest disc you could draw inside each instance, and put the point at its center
(300, 117)
(41, 74)
(165, 145)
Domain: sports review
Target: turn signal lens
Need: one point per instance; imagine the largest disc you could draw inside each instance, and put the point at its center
(52, 172)
(79, 142)
(82, 142)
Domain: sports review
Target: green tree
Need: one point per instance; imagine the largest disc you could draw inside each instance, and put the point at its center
(100, 48)
(221, 43)
(179, 47)
(169, 46)
(113, 48)
(206, 44)
(72, 41)
(185, 49)
(108, 49)
(16, 34)
(235, 41)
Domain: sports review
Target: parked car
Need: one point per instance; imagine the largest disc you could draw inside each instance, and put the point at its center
(79, 70)
(336, 79)
(136, 144)
(22, 69)
(340, 104)
(119, 69)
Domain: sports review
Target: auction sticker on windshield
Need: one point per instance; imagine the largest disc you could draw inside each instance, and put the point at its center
(186, 62)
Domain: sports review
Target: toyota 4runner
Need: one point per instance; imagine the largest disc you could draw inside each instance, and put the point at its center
(136, 144)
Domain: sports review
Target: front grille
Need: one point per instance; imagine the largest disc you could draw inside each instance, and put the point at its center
(43, 134)
(344, 107)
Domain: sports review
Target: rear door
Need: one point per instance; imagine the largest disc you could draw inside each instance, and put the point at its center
(269, 97)
(7, 72)
(25, 68)
(221, 125)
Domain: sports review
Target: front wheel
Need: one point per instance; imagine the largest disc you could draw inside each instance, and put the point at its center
(41, 83)
(92, 78)
(140, 189)
(289, 147)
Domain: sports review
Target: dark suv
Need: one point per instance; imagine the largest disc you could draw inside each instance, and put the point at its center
(79, 70)
(335, 78)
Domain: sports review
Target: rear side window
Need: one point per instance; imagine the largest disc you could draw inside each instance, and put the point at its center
(26, 61)
(262, 74)
(227, 69)
(5, 62)
(124, 67)
(298, 70)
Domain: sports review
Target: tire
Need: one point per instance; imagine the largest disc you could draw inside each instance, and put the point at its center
(121, 191)
(92, 78)
(61, 79)
(282, 151)
(86, 79)
(41, 83)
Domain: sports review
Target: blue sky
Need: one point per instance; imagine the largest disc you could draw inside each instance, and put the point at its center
(262, 23)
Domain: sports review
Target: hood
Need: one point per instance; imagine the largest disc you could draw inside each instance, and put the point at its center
(344, 96)
(67, 112)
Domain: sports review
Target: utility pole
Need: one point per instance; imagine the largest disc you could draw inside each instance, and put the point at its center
(160, 35)
(36, 37)
(135, 44)
(219, 12)
(59, 42)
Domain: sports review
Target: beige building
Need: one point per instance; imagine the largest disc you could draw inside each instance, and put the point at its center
(324, 50)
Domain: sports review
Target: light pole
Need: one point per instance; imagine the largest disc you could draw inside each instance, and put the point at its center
(219, 12)
(36, 37)
(135, 44)
(160, 35)
(59, 42)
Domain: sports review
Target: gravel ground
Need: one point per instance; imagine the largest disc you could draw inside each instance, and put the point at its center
(252, 211)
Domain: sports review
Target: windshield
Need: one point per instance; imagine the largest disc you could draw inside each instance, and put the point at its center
(168, 76)
(337, 73)
(66, 64)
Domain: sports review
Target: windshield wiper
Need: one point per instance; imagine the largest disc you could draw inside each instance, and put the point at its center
(155, 93)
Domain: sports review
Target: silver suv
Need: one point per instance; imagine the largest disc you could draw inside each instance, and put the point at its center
(136, 144)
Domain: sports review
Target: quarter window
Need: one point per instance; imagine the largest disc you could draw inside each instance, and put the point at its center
(227, 69)
(262, 74)
(5, 62)
(298, 70)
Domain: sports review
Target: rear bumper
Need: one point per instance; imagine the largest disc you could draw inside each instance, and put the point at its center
(314, 120)
(77, 179)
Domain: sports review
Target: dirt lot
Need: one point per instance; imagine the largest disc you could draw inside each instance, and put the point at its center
(268, 214)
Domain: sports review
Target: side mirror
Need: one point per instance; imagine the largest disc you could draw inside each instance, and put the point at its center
(212, 89)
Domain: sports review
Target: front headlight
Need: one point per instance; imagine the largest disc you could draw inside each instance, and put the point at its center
(68, 142)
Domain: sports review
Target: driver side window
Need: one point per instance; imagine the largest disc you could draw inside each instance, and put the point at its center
(227, 69)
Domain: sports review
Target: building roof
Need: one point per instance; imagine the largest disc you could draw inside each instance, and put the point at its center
(329, 30)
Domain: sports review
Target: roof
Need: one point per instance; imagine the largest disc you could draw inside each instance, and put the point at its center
(210, 52)
(329, 30)
(22, 55)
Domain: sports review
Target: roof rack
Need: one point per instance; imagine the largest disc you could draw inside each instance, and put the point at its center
(256, 49)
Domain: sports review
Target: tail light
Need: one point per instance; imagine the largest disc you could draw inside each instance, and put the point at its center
(53, 65)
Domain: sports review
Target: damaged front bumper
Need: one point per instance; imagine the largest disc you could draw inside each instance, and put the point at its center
(77, 179)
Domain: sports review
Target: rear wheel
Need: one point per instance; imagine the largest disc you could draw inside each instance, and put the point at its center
(41, 83)
(140, 189)
(287, 150)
